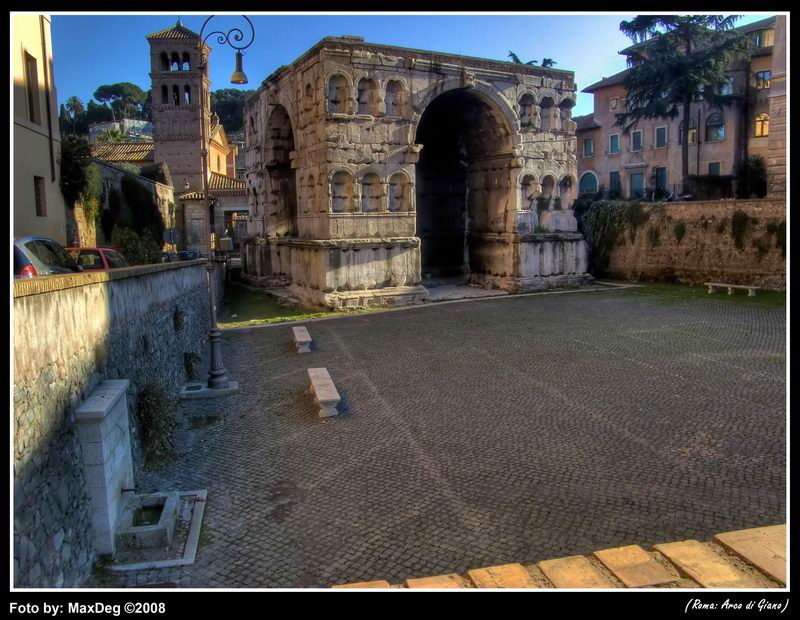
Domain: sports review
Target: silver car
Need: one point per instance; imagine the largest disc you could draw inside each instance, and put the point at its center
(40, 256)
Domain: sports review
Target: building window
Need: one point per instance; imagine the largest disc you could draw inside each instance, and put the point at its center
(187, 95)
(763, 38)
(176, 96)
(762, 79)
(661, 137)
(614, 183)
(613, 144)
(714, 168)
(762, 125)
(637, 185)
(32, 88)
(39, 194)
(692, 132)
(588, 183)
(636, 141)
(715, 128)
(588, 147)
(613, 103)
(660, 174)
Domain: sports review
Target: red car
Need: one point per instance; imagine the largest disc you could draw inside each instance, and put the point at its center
(98, 258)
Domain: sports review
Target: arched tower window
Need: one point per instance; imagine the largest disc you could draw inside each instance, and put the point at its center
(526, 110)
(187, 95)
(175, 62)
(337, 94)
(164, 61)
(371, 193)
(399, 193)
(164, 94)
(342, 194)
(395, 99)
(185, 62)
(367, 97)
(176, 96)
(762, 125)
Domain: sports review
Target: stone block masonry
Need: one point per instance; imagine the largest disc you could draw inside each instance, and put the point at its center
(698, 242)
(70, 332)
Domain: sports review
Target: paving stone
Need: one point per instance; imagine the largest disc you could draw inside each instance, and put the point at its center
(515, 429)
(704, 566)
(763, 547)
(504, 576)
(365, 584)
(634, 567)
(574, 572)
(448, 581)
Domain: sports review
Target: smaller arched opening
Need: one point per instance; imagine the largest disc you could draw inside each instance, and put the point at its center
(164, 94)
(692, 132)
(564, 200)
(164, 61)
(546, 197)
(565, 112)
(715, 127)
(176, 95)
(337, 94)
(187, 95)
(395, 99)
(371, 193)
(762, 125)
(367, 96)
(588, 183)
(548, 114)
(174, 62)
(185, 65)
(400, 193)
(342, 192)
(527, 105)
(528, 188)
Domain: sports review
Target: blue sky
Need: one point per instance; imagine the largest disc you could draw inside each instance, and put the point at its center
(90, 50)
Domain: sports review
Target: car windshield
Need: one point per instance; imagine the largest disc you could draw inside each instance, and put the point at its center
(89, 259)
(115, 259)
(50, 253)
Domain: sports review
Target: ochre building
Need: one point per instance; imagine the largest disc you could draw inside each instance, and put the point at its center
(373, 170)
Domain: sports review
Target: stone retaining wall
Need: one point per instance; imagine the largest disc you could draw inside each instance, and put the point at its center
(69, 333)
(707, 251)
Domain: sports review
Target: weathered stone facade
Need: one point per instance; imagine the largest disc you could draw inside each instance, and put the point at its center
(370, 168)
(134, 323)
(707, 249)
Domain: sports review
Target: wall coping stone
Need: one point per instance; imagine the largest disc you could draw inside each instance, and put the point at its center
(48, 284)
(102, 400)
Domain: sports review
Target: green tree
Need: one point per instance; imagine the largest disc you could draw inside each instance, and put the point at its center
(75, 108)
(113, 135)
(681, 59)
(125, 99)
(228, 103)
(76, 157)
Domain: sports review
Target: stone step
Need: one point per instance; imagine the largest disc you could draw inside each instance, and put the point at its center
(634, 567)
(448, 581)
(707, 568)
(504, 576)
(574, 572)
(763, 547)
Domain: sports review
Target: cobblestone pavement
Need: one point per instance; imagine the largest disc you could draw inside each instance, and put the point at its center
(503, 430)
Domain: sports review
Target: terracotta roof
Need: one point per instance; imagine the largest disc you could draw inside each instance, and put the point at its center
(191, 196)
(123, 151)
(229, 185)
(617, 78)
(178, 31)
(585, 122)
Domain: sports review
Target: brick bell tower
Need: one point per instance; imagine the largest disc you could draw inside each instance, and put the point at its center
(179, 88)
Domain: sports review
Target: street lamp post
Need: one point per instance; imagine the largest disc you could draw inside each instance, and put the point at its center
(217, 374)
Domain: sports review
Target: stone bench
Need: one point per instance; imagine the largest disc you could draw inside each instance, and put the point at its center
(302, 339)
(324, 391)
(751, 290)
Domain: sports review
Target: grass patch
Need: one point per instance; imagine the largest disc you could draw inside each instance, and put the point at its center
(255, 307)
(684, 291)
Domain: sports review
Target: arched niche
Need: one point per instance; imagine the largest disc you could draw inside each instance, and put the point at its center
(342, 192)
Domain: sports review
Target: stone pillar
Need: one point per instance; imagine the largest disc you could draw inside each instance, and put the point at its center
(776, 153)
(104, 434)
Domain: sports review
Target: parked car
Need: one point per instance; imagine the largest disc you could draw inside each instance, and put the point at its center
(189, 255)
(40, 256)
(168, 257)
(99, 258)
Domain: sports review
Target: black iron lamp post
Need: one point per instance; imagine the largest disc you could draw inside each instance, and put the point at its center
(217, 374)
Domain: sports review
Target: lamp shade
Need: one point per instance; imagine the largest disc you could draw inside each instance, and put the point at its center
(238, 76)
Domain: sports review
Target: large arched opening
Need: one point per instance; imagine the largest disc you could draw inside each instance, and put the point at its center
(463, 182)
(281, 207)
